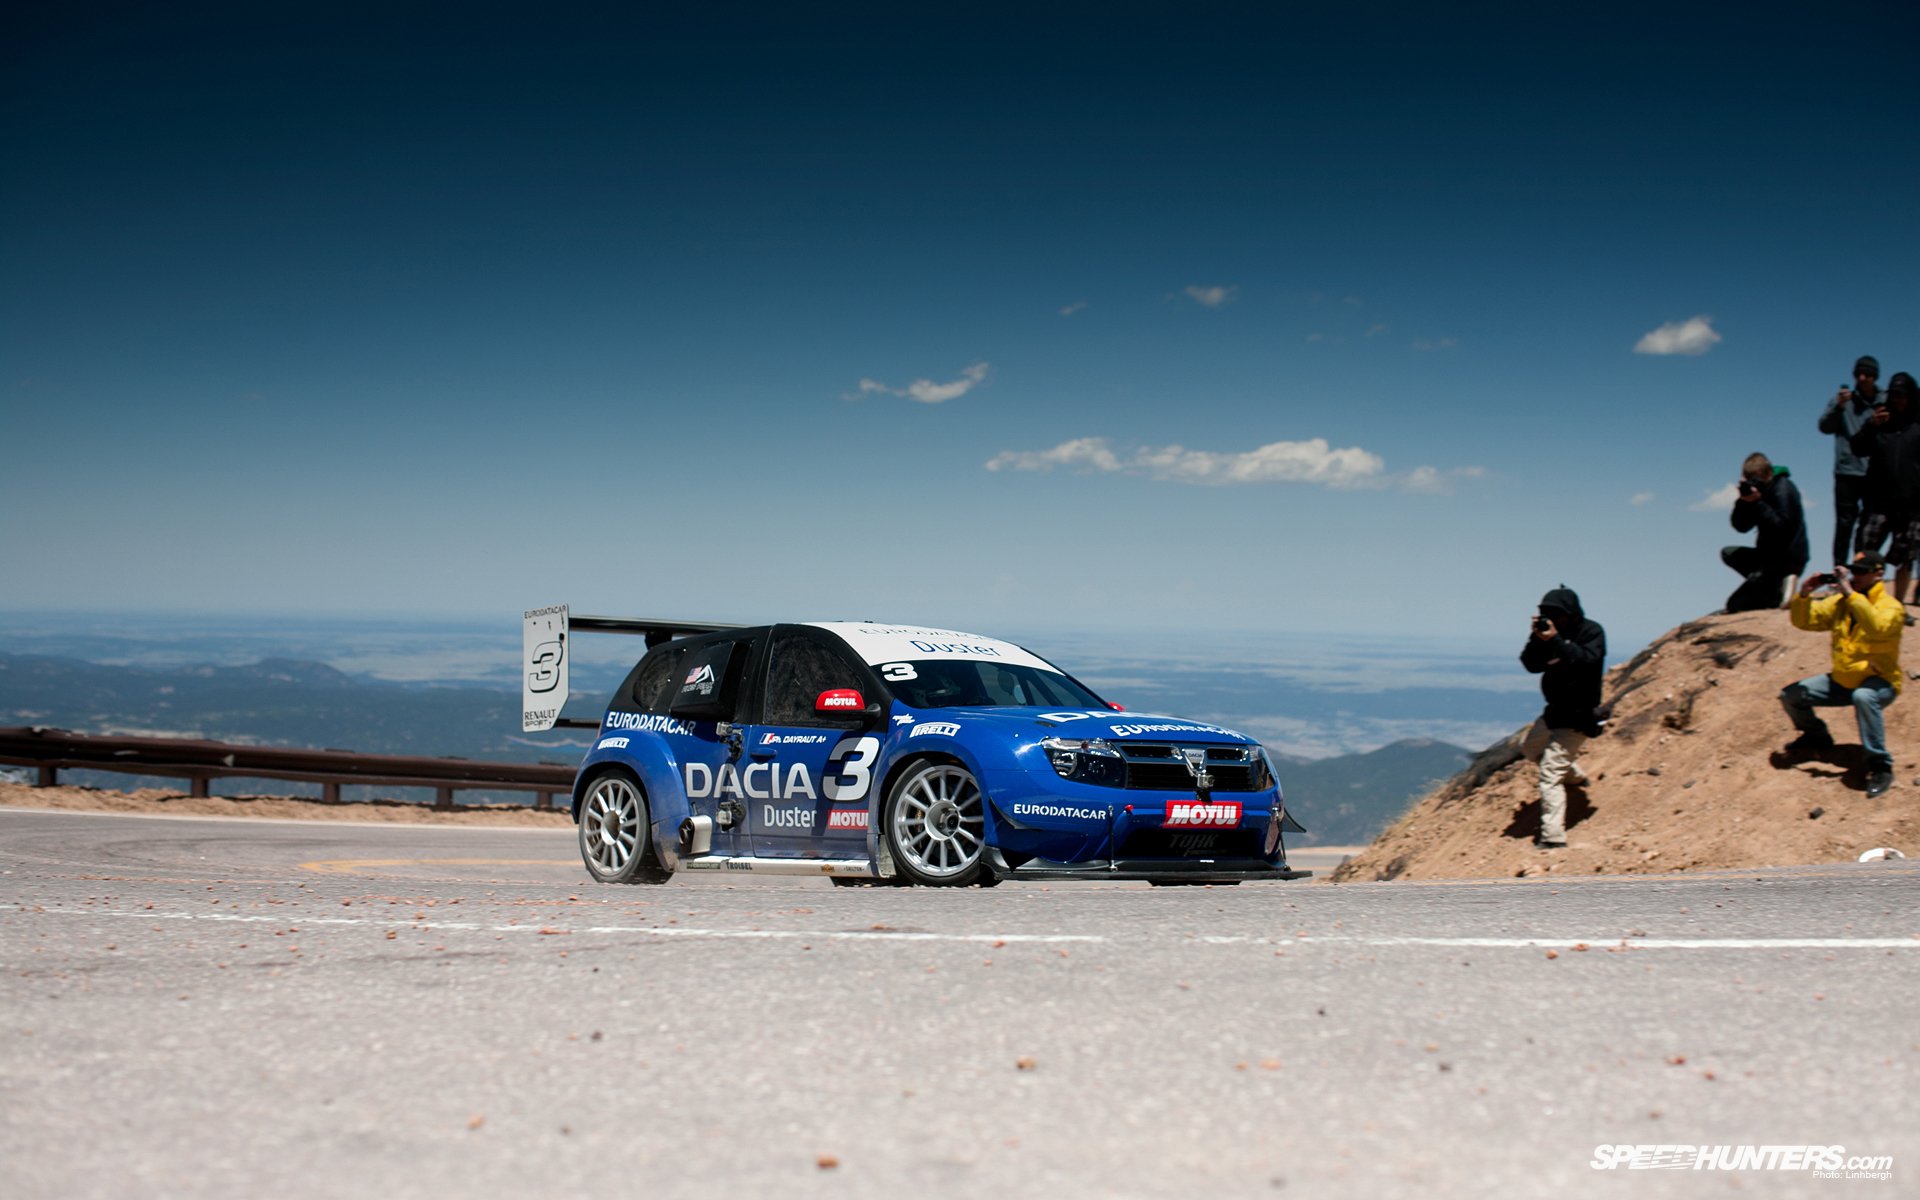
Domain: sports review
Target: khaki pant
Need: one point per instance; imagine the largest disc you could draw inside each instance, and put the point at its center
(1554, 750)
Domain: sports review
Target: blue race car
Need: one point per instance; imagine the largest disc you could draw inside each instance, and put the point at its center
(893, 753)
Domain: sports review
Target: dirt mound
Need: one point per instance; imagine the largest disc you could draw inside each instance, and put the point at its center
(1688, 774)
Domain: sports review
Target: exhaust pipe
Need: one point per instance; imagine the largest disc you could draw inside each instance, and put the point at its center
(696, 836)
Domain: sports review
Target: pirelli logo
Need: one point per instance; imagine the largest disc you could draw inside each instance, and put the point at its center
(1196, 814)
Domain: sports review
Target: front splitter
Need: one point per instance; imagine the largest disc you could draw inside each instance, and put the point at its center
(1149, 870)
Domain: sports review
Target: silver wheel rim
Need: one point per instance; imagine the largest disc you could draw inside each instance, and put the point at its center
(610, 825)
(939, 822)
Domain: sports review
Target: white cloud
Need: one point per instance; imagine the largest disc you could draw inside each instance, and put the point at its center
(1695, 335)
(1377, 330)
(1435, 482)
(1426, 344)
(1212, 296)
(1316, 337)
(1640, 499)
(1073, 308)
(1311, 461)
(926, 391)
(1081, 454)
(1717, 501)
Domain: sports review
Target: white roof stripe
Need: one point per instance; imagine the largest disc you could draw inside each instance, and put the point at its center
(876, 643)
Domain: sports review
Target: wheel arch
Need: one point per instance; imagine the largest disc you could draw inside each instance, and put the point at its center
(882, 797)
(591, 772)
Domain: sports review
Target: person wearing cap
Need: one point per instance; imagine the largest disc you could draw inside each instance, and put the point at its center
(1865, 624)
(1890, 440)
(1768, 501)
(1845, 414)
(1568, 652)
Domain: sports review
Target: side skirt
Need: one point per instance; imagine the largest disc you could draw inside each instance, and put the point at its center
(855, 868)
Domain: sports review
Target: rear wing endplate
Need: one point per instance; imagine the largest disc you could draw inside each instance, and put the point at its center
(544, 656)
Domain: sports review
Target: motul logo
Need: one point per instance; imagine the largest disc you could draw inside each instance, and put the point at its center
(1193, 814)
(847, 818)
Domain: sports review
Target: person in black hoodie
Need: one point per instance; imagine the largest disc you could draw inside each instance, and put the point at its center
(1890, 440)
(1568, 652)
(1769, 501)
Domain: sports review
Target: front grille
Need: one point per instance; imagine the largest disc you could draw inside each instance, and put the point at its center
(1157, 766)
(1192, 843)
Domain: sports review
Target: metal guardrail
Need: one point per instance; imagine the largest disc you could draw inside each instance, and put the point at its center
(55, 750)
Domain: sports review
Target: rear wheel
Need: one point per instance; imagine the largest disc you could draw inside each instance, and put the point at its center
(936, 825)
(615, 841)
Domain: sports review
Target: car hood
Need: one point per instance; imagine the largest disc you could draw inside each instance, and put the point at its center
(1039, 723)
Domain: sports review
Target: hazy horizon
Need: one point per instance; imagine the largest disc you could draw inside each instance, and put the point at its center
(1311, 696)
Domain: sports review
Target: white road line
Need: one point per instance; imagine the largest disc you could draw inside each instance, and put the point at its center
(810, 935)
(1598, 943)
(902, 935)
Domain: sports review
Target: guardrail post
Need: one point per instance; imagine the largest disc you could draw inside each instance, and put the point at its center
(443, 799)
(198, 789)
(49, 777)
(544, 802)
(330, 792)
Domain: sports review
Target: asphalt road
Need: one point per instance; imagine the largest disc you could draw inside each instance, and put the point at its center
(197, 1007)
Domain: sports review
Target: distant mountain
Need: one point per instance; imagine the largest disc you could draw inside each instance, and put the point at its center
(1348, 799)
(274, 702)
(1344, 800)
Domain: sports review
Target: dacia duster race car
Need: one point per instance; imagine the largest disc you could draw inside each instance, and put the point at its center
(895, 753)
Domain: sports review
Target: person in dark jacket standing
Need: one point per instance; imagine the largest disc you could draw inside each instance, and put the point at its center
(1890, 440)
(1845, 414)
(1767, 501)
(1568, 652)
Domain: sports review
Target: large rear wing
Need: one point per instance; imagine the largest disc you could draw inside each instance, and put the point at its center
(544, 657)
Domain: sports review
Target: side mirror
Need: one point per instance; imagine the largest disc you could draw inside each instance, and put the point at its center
(1116, 707)
(839, 702)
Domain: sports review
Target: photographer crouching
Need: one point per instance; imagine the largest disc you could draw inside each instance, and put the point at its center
(1568, 652)
(1766, 500)
(1866, 624)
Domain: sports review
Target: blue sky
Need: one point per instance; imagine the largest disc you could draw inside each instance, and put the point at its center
(1204, 318)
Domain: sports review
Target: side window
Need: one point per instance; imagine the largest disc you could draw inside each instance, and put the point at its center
(708, 683)
(653, 681)
(799, 668)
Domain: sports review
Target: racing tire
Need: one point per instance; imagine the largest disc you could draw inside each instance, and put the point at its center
(936, 820)
(615, 832)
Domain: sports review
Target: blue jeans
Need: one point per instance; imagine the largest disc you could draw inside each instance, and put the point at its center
(1820, 691)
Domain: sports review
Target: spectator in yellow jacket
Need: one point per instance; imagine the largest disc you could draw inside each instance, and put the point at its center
(1865, 623)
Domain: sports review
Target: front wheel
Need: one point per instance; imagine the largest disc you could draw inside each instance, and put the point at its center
(937, 825)
(615, 840)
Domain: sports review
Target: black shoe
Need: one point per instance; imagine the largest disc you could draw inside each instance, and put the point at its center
(1809, 745)
(1878, 782)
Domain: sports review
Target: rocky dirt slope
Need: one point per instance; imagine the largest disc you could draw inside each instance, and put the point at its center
(1688, 774)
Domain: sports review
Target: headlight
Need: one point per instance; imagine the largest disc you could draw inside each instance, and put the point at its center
(1086, 760)
(1261, 768)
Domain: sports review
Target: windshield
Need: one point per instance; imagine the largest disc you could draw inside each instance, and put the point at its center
(953, 682)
